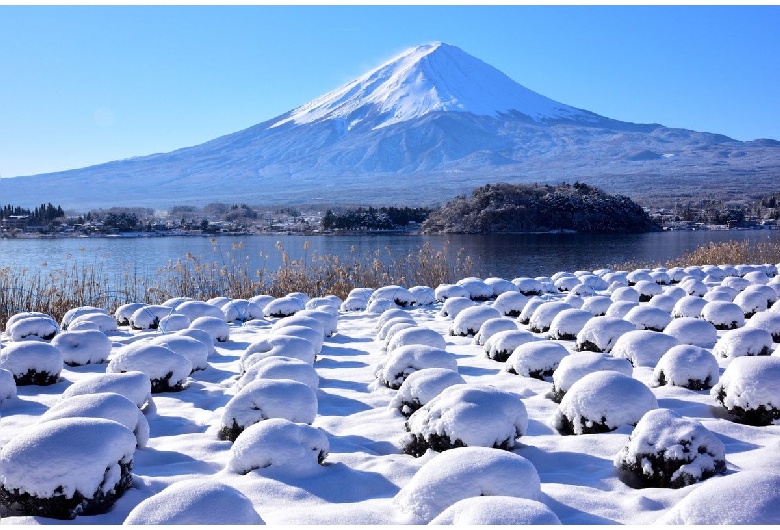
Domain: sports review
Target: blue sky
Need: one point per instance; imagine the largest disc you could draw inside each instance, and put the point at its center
(81, 85)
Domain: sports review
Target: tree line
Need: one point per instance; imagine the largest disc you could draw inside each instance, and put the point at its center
(385, 218)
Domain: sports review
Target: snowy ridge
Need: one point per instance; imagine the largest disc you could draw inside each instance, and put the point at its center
(429, 78)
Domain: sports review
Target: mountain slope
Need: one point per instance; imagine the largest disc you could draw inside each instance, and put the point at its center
(432, 123)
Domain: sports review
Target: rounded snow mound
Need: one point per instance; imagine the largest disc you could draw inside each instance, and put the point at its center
(747, 498)
(743, 341)
(279, 367)
(597, 305)
(106, 405)
(216, 327)
(357, 300)
(463, 473)
(281, 444)
(416, 336)
(750, 389)
(7, 385)
(196, 501)
(493, 326)
(191, 349)
(167, 370)
(468, 321)
(240, 310)
(387, 324)
(315, 319)
(688, 306)
(446, 290)
(268, 398)
(32, 363)
(529, 286)
(542, 317)
(135, 386)
(643, 347)
(423, 295)
(400, 295)
(422, 386)
(568, 323)
(647, 317)
(497, 510)
(454, 305)
(405, 360)
(195, 309)
(510, 303)
(600, 333)
(693, 331)
(687, 366)
(101, 319)
(538, 359)
(283, 307)
(768, 321)
(669, 451)
(572, 368)
(31, 325)
(601, 402)
(500, 286)
(501, 345)
(467, 415)
(477, 288)
(124, 312)
(620, 309)
(278, 345)
(66, 467)
(723, 315)
(148, 316)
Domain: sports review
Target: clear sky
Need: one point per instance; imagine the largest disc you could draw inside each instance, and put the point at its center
(81, 85)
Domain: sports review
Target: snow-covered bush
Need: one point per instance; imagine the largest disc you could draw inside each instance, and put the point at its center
(406, 360)
(173, 323)
(510, 303)
(124, 312)
(283, 307)
(597, 305)
(31, 325)
(278, 345)
(299, 319)
(575, 300)
(639, 275)
(663, 302)
(32, 363)
(104, 322)
(468, 321)
(493, 326)
(743, 341)
(768, 321)
(240, 310)
(196, 309)
(694, 287)
(750, 389)
(7, 385)
(166, 369)
(391, 314)
(751, 498)
(643, 347)
(193, 502)
(66, 467)
(669, 451)
(70, 314)
(216, 327)
(568, 323)
(478, 290)
(400, 295)
(537, 359)
(676, 274)
(755, 299)
(446, 291)
(357, 300)
(388, 325)
(757, 277)
(327, 301)
(566, 283)
(454, 305)
(279, 367)
(721, 293)
(501, 345)
(501, 286)
(543, 315)
(660, 277)
(423, 295)
(693, 331)
(135, 386)
(268, 398)
(280, 444)
(529, 286)
(647, 289)
(191, 349)
(688, 307)
(593, 281)
(396, 327)
(176, 301)
(416, 336)
(304, 332)
(723, 315)
(736, 283)
(148, 316)
(687, 366)
(81, 347)
(106, 405)
(380, 305)
(497, 510)
(463, 473)
(203, 336)
(422, 386)
(646, 317)
(601, 402)
(620, 309)
(467, 416)
(529, 308)
(572, 368)
(600, 333)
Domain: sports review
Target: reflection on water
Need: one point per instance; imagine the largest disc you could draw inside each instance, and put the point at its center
(503, 255)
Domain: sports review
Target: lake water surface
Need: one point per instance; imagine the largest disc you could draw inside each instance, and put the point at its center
(503, 255)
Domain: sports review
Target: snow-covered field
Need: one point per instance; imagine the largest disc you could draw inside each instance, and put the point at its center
(317, 418)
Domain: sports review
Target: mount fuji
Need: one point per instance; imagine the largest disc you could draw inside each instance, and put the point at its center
(431, 123)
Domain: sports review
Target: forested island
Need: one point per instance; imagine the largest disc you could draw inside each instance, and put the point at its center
(505, 208)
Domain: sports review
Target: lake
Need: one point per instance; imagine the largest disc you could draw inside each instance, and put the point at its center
(503, 255)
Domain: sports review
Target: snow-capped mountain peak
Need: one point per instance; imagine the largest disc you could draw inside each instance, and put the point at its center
(429, 78)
